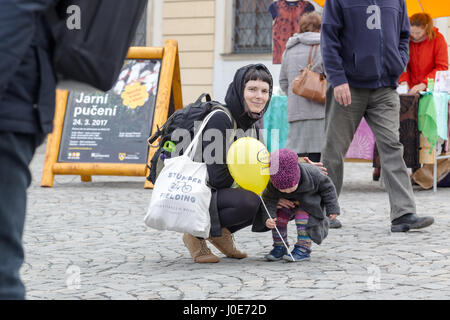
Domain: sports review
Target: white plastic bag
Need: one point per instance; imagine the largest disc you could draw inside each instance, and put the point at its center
(180, 198)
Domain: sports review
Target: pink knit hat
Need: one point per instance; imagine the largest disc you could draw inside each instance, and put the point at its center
(283, 168)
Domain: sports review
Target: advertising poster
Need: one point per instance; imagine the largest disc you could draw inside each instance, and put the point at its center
(112, 127)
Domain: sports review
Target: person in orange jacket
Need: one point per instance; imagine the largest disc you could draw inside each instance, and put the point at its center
(428, 53)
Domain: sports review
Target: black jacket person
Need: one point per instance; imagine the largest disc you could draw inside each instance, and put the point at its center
(27, 98)
(231, 209)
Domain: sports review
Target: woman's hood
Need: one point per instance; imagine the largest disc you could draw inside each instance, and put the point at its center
(308, 38)
(234, 98)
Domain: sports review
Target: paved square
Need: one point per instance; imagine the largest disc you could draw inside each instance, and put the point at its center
(89, 241)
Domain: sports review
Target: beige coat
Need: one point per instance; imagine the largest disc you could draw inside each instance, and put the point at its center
(295, 58)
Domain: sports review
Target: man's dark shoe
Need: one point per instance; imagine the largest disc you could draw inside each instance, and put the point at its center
(410, 221)
(334, 224)
(376, 174)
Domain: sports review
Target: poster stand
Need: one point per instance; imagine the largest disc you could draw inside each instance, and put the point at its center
(168, 99)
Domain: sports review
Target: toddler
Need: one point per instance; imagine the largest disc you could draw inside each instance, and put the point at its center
(302, 192)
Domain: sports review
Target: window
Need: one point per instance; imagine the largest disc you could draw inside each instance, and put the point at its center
(252, 26)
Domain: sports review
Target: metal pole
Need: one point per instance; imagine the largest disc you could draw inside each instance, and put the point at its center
(267, 211)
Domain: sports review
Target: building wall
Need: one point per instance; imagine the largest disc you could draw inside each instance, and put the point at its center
(443, 24)
(225, 61)
(203, 29)
(448, 37)
(192, 24)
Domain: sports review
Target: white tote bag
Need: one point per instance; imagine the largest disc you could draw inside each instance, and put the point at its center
(180, 198)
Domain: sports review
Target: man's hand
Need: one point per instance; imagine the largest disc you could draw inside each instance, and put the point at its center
(332, 216)
(317, 164)
(342, 94)
(284, 203)
(271, 223)
(417, 88)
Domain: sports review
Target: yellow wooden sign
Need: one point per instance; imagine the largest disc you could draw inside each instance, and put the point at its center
(82, 135)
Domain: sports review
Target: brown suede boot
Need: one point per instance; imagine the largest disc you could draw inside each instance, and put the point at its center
(199, 250)
(225, 244)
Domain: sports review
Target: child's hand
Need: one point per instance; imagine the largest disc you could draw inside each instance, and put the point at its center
(271, 223)
(284, 203)
(332, 216)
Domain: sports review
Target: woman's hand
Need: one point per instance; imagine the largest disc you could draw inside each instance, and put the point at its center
(332, 216)
(417, 88)
(317, 164)
(271, 223)
(284, 203)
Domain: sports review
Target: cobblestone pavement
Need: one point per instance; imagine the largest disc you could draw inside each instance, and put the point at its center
(88, 241)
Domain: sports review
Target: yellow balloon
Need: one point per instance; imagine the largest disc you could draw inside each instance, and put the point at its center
(248, 162)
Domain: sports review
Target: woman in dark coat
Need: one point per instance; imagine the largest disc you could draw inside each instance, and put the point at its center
(232, 208)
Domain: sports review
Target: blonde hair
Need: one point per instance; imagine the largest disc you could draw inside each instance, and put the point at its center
(310, 22)
(423, 20)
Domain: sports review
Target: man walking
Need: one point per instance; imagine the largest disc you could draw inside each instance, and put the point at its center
(365, 49)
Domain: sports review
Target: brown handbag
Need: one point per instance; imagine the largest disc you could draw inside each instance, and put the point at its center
(309, 84)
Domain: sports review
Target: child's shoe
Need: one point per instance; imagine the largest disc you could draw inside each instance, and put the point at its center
(300, 253)
(276, 254)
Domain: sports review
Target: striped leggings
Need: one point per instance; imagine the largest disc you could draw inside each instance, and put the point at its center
(301, 217)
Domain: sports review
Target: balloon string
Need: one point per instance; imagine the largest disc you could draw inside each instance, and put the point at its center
(281, 237)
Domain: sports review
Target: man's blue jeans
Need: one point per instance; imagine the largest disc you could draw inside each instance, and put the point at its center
(16, 152)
